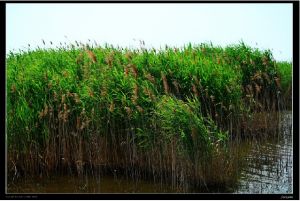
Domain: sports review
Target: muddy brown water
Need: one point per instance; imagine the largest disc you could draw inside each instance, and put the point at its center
(267, 168)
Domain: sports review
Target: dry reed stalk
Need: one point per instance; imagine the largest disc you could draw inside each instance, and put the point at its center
(86, 71)
(46, 110)
(134, 71)
(257, 76)
(135, 94)
(112, 106)
(149, 93)
(63, 98)
(50, 111)
(194, 134)
(65, 157)
(140, 109)
(79, 59)
(227, 89)
(41, 114)
(136, 90)
(78, 123)
(126, 71)
(91, 93)
(277, 82)
(249, 89)
(13, 88)
(65, 113)
(128, 55)
(109, 59)
(165, 83)
(150, 78)
(46, 76)
(54, 96)
(195, 91)
(128, 111)
(266, 76)
(206, 93)
(173, 161)
(257, 89)
(265, 61)
(92, 56)
(69, 94)
(176, 85)
(79, 162)
(76, 98)
(65, 73)
(104, 92)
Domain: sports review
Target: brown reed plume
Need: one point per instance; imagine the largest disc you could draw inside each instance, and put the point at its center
(165, 82)
(134, 70)
(79, 59)
(176, 85)
(128, 55)
(135, 94)
(150, 78)
(149, 93)
(92, 56)
(110, 58)
(112, 106)
(126, 71)
(195, 91)
(277, 82)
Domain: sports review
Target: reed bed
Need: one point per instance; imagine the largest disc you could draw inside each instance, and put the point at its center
(164, 114)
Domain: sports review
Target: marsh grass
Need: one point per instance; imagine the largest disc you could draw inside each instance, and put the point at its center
(167, 115)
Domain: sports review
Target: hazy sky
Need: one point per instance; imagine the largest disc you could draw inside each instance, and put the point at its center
(266, 26)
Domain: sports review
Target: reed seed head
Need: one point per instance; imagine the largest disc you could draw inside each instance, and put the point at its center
(165, 82)
(150, 78)
(277, 82)
(92, 56)
(63, 97)
(128, 111)
(266, 76)
(126, 70)
(134, 71)
(13, 88)
(112, 106)
(128, 55)
(176, 85)
(79, 59)
(140, 109)
(257, 89)
(91, 93)
(76, 98)
(195, 91)
(65, 73)
(46, 110)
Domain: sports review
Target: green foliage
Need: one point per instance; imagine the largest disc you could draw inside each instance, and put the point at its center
(182, 121)
(188, 94)
(285, 73)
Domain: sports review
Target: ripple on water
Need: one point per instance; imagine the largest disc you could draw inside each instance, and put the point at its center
(269, 165)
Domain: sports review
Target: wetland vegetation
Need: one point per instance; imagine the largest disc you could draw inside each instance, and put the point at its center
(167, 116)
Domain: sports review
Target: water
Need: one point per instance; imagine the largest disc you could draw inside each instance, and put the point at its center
(266, 168)
(269, 165)
(105, 184)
